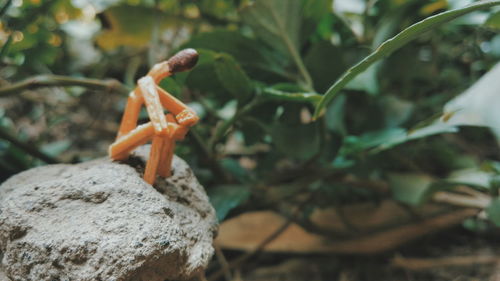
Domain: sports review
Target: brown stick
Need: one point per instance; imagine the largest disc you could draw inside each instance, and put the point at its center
(417, 264)
(223, 263)
(28, 148)
(61, 81)
(243, 258)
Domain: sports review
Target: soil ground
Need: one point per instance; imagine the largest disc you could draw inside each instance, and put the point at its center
(439, 252)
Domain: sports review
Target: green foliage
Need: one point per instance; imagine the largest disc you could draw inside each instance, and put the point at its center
(398, 41)
(233, 78)
(258, 87)
(224, 198)
(493, 212)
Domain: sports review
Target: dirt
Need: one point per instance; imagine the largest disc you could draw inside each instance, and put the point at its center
(444, 247)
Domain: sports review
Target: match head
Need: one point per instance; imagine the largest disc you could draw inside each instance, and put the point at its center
(183, 60)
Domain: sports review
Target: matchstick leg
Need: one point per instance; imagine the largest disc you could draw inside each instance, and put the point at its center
(154, 159)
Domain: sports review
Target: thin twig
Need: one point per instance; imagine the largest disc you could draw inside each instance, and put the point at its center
(222, 130)
(5, 7)
(243, 258)
(223, 262)
(28, 148)
(6, 46)
(424, 264)
(214, 165)
(58, 80)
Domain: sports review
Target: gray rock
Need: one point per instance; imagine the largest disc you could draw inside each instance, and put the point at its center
(100, 221)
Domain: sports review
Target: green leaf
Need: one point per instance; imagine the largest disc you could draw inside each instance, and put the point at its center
(410, 188)
(204, 78)
(493, 211)
(381, 139)
(276, 22)
(317, 9)
(325, 62)
(493, 21)
(256, 59)
(396, 43)
(224, 198)
(233, 78)
(297, 141)
(234, 168)
(477, 106)
(314, 13)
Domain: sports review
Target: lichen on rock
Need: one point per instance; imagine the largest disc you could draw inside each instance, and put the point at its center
(99, 220)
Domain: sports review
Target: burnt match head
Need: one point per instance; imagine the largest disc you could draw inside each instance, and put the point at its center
(183, 60)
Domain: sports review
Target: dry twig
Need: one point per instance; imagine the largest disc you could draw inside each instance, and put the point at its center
(417, 264)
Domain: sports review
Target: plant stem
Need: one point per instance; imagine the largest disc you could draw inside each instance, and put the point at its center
(396, 42)
(222, 130)
(266, 94)
(28, 148)
(273, 94)
(5, 7)
(213, 164)
(5, 47)
(57, 80)
(243, 258)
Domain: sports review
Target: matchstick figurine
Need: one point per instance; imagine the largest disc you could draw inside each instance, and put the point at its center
(163, 129)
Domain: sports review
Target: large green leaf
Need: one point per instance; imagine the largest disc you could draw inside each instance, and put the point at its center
(256, 59)
(224, 198)
(276, 22)
(324, 61)
(297, 141)
(204, 78)
(477, 106)
(233, 78)
(493, 211)
(396, 43)
(410, 188)
(493, 21)
(314, 12)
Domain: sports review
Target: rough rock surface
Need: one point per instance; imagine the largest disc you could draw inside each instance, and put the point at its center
(100, 221)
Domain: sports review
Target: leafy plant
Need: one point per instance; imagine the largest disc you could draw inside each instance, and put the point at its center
(284, 117)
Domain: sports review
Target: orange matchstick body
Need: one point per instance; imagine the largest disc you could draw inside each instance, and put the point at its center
(163, 130)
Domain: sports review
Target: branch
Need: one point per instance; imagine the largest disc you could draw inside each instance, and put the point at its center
(57, 80)
(243, 258)
(5, 7)
(416, 264)
(28, 148)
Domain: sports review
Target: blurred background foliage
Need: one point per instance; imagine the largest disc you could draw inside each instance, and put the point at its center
(262, 70)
